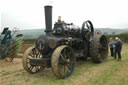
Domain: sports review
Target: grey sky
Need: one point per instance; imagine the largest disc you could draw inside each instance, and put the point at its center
(29, 14)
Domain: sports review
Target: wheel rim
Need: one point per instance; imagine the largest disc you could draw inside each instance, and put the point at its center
(103, 48)
(32, 53)
(65, 64)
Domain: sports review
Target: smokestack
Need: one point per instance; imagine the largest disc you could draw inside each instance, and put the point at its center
(48, 19)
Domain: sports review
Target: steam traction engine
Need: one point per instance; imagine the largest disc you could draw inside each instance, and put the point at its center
(62, 45)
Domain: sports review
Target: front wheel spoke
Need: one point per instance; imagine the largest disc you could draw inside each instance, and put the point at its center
(31, 67)
(28, 61)
(37, 54)
(28, 58)
(33, 52)
(36, 68)
(31, 55)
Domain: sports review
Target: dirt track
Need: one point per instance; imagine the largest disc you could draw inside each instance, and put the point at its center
(111, 72)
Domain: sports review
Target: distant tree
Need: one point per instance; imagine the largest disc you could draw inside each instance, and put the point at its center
(122, 36)
(113, 32)
(105, 33)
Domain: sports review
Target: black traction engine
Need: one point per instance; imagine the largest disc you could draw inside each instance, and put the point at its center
(62, 45)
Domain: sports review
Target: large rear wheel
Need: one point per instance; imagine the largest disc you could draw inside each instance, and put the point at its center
(99, 49)
(63, 62)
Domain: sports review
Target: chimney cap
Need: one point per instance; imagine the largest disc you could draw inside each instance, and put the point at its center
(47, 6)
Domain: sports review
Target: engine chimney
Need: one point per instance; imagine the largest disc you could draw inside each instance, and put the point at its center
(48, 19)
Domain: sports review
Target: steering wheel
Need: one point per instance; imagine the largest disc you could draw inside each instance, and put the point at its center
(15, 30)
(87, 30)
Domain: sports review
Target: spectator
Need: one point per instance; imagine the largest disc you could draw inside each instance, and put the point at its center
(111, 45)
(118, 48)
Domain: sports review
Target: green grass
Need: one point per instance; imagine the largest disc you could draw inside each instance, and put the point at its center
(105, 74)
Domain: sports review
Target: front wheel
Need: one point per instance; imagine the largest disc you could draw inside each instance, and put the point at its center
(63, 62)
(32, 53)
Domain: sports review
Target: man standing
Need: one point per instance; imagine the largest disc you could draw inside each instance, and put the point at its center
(111, 45)
(118, 47)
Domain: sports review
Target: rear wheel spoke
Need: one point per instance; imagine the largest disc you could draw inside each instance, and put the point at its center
(62, 56)
(67, 69)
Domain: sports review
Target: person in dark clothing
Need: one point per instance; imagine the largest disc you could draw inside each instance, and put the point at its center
(118, 48)
(111, 45)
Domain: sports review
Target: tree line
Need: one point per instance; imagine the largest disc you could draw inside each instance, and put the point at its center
(123, 36)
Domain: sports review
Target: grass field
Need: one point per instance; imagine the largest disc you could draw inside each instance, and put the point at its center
(110, 72)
